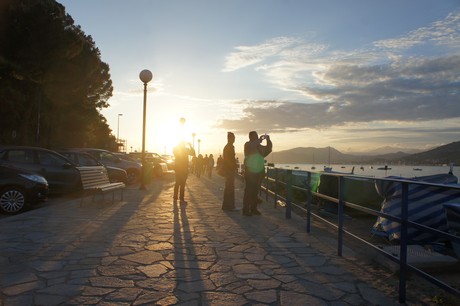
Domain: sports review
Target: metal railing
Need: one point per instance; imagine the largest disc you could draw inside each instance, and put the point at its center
(403, 220)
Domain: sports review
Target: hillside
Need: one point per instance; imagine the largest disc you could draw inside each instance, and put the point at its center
(310, 155)
(440, 155)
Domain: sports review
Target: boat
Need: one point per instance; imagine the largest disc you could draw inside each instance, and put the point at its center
(425, 206)
(417, 169)
(328, 168)
(452, 212)
(384, 168)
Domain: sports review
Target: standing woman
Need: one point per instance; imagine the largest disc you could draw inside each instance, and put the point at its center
(229, 168)
(210, 165)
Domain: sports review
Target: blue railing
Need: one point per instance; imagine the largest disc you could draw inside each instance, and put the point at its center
(287, 201)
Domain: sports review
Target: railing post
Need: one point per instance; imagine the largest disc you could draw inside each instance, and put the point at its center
(403, 242)
(340, 215)
(276, 187)
(309, 186)
(267, 182)
(289, 194)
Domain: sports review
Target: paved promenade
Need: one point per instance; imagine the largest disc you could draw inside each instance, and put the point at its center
(145, 250)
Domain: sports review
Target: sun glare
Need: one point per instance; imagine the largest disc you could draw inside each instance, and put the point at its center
(167, 134)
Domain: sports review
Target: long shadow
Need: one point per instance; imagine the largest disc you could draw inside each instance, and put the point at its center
(188, 267)
(61, 249)
(277, 254)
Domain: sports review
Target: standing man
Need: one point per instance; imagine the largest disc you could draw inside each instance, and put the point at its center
(229, 168)
(181, 154)
(254, 170)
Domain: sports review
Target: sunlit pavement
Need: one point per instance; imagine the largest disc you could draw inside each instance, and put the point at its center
(145, 250)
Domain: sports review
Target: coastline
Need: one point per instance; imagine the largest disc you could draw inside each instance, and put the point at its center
(373, 171)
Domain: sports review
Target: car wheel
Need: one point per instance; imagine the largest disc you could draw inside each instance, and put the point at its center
(12, 200)
(132, 176)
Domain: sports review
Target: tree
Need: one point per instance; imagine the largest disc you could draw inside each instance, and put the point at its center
(53, 83)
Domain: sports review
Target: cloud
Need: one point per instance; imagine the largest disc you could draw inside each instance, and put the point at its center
(245, 56)
(358, 86)
(414, 90)
(444, 33)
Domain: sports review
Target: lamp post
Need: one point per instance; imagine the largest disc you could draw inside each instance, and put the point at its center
(199, 140)
(118, 127)
(182, 122)
(145, 76)
(193, 140)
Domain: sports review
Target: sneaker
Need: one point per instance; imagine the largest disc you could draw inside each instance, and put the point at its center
(256, 212)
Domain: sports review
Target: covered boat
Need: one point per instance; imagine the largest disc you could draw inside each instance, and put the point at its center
(453, 223)
(425, 206)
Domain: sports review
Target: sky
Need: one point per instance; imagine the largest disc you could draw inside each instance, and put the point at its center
(356, 75)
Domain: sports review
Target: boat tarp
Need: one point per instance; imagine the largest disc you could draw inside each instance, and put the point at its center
(425, 206)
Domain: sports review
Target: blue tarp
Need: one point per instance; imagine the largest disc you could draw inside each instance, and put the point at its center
(425, 206)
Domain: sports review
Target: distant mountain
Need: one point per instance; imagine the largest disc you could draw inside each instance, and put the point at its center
(310, 155)
(449, 153)
(385, 150)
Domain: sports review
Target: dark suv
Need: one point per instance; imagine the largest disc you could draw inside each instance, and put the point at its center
(84, 159)
(61, 174)
(107, 158)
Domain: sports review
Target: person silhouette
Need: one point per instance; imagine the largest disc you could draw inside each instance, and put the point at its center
(181, 154)
(254, 170)
(229, 169)
(210, 165)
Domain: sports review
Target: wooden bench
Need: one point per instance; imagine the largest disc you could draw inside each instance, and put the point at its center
(95, 180)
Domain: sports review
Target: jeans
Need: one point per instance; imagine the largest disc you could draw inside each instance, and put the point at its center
(251, 191)
(229, 192)
(181, 178)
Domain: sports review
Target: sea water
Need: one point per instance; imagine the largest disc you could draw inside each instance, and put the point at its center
(375, 170)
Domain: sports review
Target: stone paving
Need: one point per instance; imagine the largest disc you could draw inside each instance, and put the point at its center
(145, 250)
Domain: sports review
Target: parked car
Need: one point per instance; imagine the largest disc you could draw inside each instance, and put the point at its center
(19, 188)
(84, 159)
(61, 174)
(169, 160)
(107, 158)
(158, 166)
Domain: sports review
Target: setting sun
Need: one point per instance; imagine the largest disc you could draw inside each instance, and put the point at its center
(167, 132)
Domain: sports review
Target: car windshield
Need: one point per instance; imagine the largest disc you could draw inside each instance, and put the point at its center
(106, 156)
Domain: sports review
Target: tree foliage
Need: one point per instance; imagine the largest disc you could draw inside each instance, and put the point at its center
(53, 83)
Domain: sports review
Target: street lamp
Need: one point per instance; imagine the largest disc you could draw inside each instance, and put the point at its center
(145, 76)
(118, 127)
(182, 122)
(193, 140)
(199, 140)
